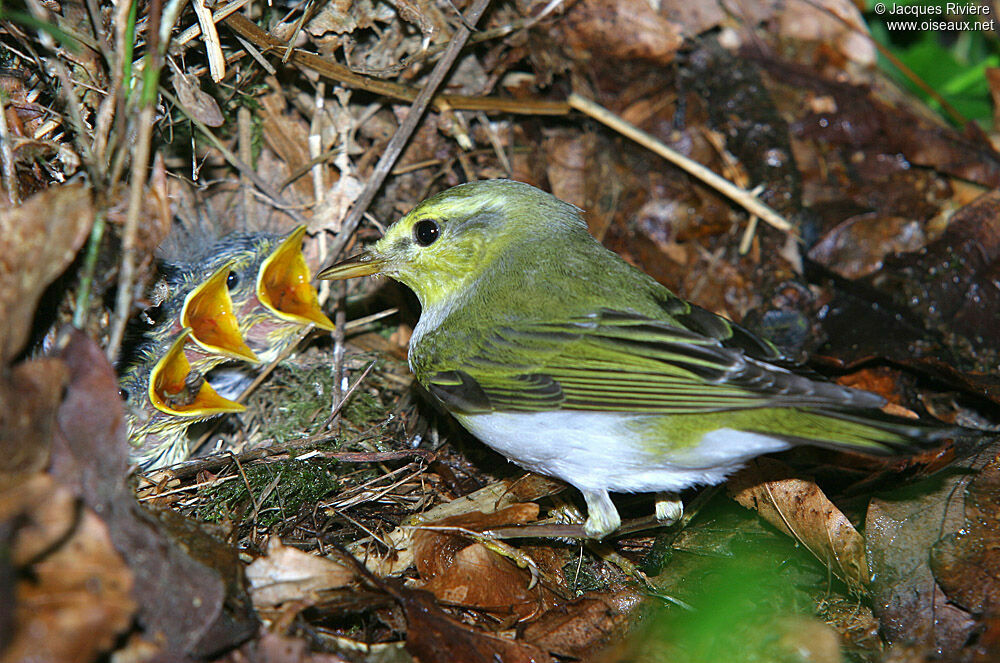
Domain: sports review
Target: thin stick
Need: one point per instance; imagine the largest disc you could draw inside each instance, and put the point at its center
(348, 78)
(739, 196)
(409, 125)
(213, 48)
(343, 401)
(7, 156)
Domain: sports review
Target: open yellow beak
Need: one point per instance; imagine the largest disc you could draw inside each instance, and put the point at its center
(283, 284)
(363, 264)
(173, 388)
(208, 311)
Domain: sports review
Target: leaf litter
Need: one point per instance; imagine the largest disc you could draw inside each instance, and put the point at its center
(893, 288)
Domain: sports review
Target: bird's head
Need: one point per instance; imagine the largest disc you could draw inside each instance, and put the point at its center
(449, 240)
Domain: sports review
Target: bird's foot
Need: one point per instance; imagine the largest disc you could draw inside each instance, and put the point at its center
(669, 508)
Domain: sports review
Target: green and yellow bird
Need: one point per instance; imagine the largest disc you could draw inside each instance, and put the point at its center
(572, 363)
(245, 298)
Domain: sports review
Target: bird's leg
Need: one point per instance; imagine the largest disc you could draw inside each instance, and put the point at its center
(602, 516)
(669, 508)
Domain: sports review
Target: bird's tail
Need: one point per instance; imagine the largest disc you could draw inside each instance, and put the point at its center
(872, 432)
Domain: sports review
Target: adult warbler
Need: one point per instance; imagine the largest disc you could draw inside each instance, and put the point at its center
(572, 363)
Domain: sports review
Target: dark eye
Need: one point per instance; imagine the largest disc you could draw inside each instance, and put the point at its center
(426, 231)
(232, 280)
(124, 394)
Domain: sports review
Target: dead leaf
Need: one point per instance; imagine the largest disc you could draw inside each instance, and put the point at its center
(614, 30)
(74, 599)
(856, 247)
(899, 532)
(29, 397)
(967, 563)
(469, 574)
(584, 625)
(288, 574)
(45, 516)
(188, 584)
(38, 241)
(434, 637)
(199, 104)
(799, 508)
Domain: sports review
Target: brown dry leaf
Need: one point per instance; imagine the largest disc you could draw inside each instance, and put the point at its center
(498, 495)
(800, 509)
(288, 574)
(199, 104)
(434, 637)
(832, 23)
(26, 429)
(38, 240)
(952, 284)
(460, 572)
(44, 516)
(188, 583)
(899, 532)
(856, 247)
(582, 626)
(343, 16)
(966, 564)
(287, 138)
(73, 601)
(612, 30)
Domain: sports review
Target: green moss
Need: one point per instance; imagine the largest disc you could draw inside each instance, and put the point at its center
(296, 402)
(279, 488)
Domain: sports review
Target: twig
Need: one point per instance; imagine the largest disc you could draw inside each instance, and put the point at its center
(218, 15)
(740, 196)
(406, 129)
(7, 156)
(350, 392)
(213, 48)
(156, 45)
(343, 75)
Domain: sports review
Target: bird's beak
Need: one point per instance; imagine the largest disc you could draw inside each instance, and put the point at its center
(208, 311)
(283, 284)
(174, 390)
(365, 263)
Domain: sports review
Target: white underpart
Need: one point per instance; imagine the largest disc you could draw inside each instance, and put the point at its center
(597, 451)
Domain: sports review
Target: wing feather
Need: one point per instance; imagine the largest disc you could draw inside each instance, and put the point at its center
(620, 361)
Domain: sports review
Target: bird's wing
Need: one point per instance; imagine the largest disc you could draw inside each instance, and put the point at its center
(624, 362)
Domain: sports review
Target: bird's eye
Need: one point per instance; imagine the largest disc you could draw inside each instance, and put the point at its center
(124, 394)
(426, 232)
(232, 280)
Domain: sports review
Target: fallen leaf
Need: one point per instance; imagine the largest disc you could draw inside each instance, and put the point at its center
(799, 508)
(899, 532)
(857, 246)
(29, 396)
(38, 241)
(584, 625)
(288, 574)
(434, 637)
(966, 563)
(469, 574)
(73, 599)
(620, 30)
(188, 584)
